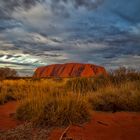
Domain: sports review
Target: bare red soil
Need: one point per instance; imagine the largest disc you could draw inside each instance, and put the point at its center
(7, 120)
(69, 70)
(104, 126)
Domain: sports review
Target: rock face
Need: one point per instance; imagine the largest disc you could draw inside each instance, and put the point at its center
(69, 70)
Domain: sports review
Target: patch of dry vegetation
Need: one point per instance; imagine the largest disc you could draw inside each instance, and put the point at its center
(125, 97)
(19, 89)
(25, 132)
(51, 102)
(62, 111)
(55, 108)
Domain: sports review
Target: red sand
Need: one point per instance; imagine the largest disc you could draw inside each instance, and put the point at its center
(6, 119)
(105, 126)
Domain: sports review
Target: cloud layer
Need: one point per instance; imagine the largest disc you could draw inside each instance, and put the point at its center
(42, 32)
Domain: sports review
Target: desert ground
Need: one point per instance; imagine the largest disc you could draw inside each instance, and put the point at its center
(102, 126)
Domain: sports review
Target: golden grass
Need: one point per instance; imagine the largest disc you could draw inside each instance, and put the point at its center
(19, 89)
(61, 111)
(125, 97)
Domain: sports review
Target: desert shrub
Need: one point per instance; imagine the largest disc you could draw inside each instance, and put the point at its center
(64, 111)
(84, 85)
(79, 85)
(6, 93)
(55, 111)
(100, 82)
(4, 98)
(123, 98)
(122, 74)
(31, 107)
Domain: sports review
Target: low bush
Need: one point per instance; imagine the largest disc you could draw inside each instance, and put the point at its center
(84, 85)
(122, 75)
(123, 98)
(64, 111)
(55, 111)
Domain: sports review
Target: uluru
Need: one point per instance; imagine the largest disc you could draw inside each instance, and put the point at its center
(69, 70)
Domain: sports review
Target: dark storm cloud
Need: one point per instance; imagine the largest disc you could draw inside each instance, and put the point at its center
(29, 49)
(117, 51)
(132, 8)
(12, 4)
(60, 7)
(9, 24)
(126, 9)
(121, 44)
(8, 6)
(90, 4)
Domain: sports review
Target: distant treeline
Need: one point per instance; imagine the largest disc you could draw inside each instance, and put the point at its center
(7, 72)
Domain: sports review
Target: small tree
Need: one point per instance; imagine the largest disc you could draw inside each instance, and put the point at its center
(7, 72)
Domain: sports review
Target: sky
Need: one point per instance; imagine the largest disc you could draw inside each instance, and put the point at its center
(35, 33)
